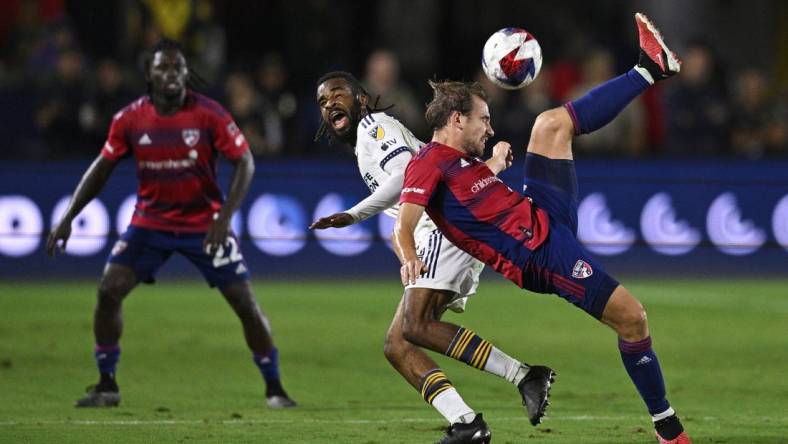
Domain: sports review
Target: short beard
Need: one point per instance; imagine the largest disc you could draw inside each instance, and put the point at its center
(470, 148)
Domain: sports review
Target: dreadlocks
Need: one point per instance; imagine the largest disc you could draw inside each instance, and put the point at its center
(193, 80)
(356, 88)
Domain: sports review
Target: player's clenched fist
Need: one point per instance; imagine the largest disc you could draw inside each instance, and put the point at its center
(502, 154)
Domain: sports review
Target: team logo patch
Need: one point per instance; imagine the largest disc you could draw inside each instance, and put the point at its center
(377, 133)
(582, 270)
(119, 247)
(191, 136)
(232, 128)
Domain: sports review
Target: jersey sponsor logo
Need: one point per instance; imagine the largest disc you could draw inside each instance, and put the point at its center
(168, 164)
(385, 145)
(190, 136)
(145, 140)
(483, 183)
(582, 269)
(377, 133)
(413, 190)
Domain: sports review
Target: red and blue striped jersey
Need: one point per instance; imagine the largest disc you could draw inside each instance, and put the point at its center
(474, 209)
(176, 159)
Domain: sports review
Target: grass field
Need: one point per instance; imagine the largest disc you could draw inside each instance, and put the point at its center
(186, 376)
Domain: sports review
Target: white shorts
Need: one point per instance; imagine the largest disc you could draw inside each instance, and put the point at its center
(448, 267)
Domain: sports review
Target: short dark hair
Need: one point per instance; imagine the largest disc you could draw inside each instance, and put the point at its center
(163, 44)
(193, 80)
(450, 96)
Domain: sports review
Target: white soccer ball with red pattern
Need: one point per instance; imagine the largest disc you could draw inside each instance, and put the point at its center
(512, 58)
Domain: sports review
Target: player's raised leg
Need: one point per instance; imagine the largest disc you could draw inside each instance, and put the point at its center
(116, 283)
(553, 130)
(257, 332)
(552, 137)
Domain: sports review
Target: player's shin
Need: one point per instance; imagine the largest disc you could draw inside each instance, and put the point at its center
(643, 367)
(269, 367)
(107, 357)
(601, 105)
(471, 349)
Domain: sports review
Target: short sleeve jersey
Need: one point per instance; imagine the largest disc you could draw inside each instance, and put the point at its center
(383, 147)
(474, 209)
(176, 160)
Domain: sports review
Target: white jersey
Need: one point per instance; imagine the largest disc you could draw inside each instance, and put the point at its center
(383, 149)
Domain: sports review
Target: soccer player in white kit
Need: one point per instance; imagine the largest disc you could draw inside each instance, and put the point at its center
(383, 147)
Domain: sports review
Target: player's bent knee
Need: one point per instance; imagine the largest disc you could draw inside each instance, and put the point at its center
(113, 288)
(632, 323)
(552, 134)
(394, 347)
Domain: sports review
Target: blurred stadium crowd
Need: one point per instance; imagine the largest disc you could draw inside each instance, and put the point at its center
(67, 66)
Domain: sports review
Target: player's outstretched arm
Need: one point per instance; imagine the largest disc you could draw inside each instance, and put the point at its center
(501, 158)
(89, 186)
(336, 220)
(243, 170)
(384, 197)
(405, 243)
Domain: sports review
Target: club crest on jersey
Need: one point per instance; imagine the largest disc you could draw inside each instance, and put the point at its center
(582, 270)
(190, 136)
(377, 133)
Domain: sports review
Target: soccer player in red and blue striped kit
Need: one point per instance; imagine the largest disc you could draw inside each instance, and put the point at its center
(175, 137)
(531, 238)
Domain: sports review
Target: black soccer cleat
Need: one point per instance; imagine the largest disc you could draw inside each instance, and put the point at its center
(476, 432)
(103, 394)
(279, 402)
(276, 396)
(535, 389)
(655, 56)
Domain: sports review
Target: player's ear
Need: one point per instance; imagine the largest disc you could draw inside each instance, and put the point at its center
(363, 99)
(455, 119)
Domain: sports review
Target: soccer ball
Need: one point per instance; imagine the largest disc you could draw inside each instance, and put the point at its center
(512, 58)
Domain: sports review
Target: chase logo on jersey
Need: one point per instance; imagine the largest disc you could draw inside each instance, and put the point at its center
(190, 136)
(582, 270)
(377, 133)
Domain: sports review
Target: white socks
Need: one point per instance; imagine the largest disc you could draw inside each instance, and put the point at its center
(451, 406)
(667, 413)
(503, 365)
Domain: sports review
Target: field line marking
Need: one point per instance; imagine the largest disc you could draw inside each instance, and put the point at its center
(231, 422)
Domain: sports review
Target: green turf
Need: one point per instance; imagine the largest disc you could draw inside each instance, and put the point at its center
(186, 376)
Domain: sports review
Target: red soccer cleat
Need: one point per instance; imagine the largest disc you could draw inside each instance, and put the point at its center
(655, 56)
(681, 439)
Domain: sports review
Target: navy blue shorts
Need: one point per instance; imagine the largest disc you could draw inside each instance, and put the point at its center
(145, 251)
(561, 265)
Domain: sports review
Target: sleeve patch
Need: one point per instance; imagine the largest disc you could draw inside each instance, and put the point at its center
(377, 132)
